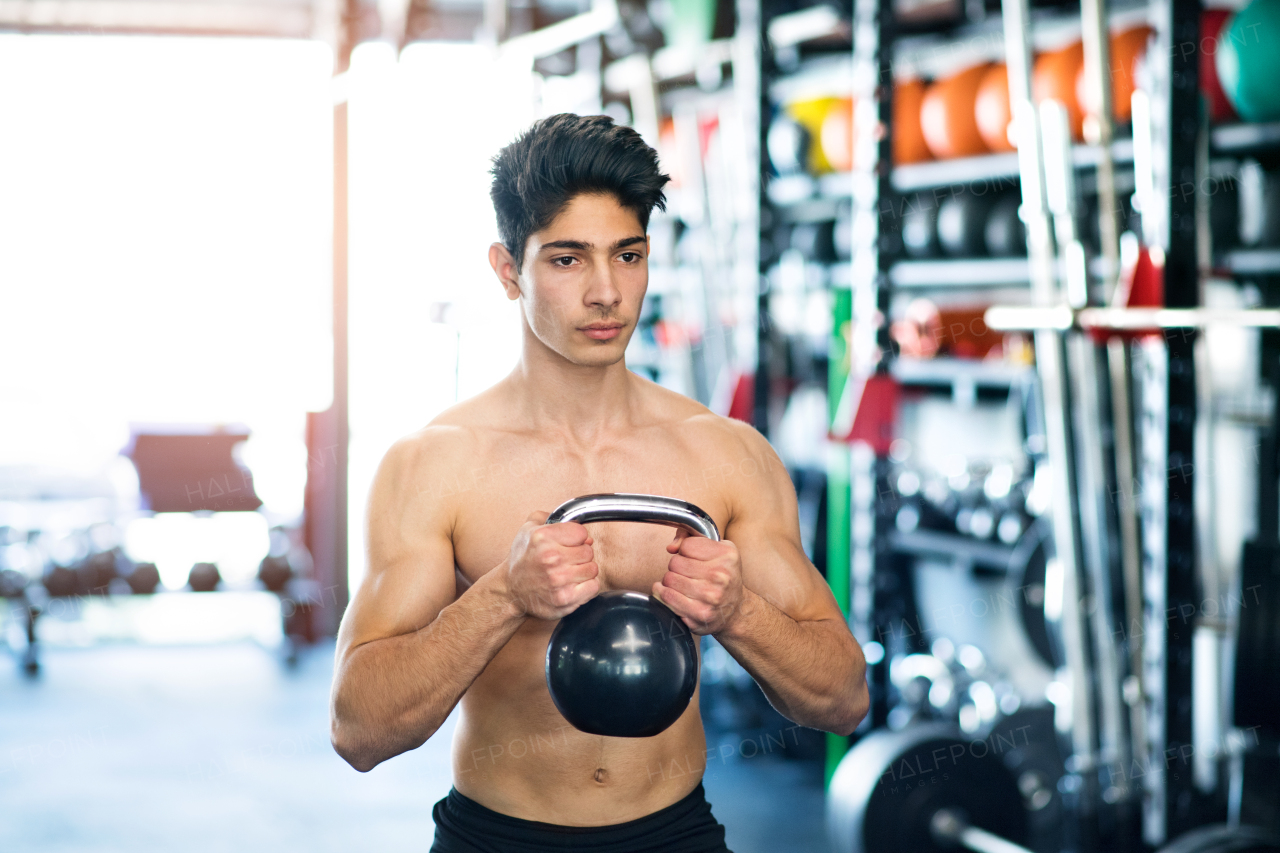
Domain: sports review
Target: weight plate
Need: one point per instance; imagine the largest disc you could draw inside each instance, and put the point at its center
(1028, 743)
(1027, 567)
(1257, 690)
(889, 786)
(1220, 838)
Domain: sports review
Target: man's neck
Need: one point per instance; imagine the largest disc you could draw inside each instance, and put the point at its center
(581, 402)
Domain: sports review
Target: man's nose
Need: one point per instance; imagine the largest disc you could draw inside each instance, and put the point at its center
(603, 290)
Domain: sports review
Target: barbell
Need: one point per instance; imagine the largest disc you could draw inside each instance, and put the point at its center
(893, 786)
(1023, 318)
(930, 789)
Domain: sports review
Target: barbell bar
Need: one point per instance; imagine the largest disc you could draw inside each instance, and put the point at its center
(1022, 318)
(950, 826)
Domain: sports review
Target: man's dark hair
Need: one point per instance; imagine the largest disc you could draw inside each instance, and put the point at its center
(566, 155)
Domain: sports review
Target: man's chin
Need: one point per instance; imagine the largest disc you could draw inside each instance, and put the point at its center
(599, 355)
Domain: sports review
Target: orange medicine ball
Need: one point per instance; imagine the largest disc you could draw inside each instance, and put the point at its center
(1127, 49)
(908, 139)
(991, 110)
(1054, 78)
(947, 115)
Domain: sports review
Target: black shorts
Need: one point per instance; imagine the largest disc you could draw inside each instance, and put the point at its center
(465, 826)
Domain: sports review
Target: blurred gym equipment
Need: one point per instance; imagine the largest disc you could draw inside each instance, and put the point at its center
(947, 117)
(1211, 23)
(192, 471)
(962, 223)
(1248, 61)
(892, 786)
(204, 577)
(1004, 233)
(909, 144)
(920, 226)
(144, 579)
(1054, 78)
(991, 108)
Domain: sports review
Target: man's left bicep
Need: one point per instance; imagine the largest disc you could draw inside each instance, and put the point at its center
(781, 574)
(766, 530)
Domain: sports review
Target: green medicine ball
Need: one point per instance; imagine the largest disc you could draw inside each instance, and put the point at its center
(1248, 60)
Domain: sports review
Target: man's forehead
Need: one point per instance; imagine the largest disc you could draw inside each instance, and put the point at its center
(591, 219)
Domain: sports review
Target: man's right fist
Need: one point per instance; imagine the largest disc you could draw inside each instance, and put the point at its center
(551, 569)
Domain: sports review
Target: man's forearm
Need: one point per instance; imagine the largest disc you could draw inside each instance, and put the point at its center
(812, 672)
(391, 694)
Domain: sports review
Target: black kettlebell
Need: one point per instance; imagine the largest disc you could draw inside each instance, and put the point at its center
(624, 664)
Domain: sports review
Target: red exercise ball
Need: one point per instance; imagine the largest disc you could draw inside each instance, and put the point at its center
(947, 115)
(1212, 23)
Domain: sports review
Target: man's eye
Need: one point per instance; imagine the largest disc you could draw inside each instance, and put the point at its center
(564, 262)
(630, 257)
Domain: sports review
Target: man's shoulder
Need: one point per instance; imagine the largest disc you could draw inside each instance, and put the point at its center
(717, 438)
(432, 449)
(453, 441)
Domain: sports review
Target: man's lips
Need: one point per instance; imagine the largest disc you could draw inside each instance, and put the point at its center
(602, 331)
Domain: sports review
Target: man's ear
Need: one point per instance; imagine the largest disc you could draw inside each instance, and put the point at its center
(504, 266)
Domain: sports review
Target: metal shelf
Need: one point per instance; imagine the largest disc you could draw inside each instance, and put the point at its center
(961, 272)
(990, 167)
(962, 170)
(795, 189)
(1251, 261)
(1242, 138)
(949, 371)
(931, 543)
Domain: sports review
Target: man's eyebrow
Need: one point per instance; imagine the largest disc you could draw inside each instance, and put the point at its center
(580, 246)
(566, 244)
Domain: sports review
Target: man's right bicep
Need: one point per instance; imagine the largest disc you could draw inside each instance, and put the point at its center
(409, 575)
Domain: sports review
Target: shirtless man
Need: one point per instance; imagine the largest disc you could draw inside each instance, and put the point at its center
(465, 583)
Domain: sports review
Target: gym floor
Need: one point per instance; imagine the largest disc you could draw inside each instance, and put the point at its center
(218, 748)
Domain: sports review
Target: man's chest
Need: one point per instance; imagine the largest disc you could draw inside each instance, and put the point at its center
(506, 488)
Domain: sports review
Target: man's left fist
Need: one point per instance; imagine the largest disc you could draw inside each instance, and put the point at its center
(703, 583)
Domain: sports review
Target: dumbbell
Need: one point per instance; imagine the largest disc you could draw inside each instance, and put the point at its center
(962, 220)
(144, 579)
(97, 572)
(275, 572)
(204, 577)
(13, 584)
(62, 582)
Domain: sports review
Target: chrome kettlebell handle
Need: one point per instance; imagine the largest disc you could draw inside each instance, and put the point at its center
(649, 509)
